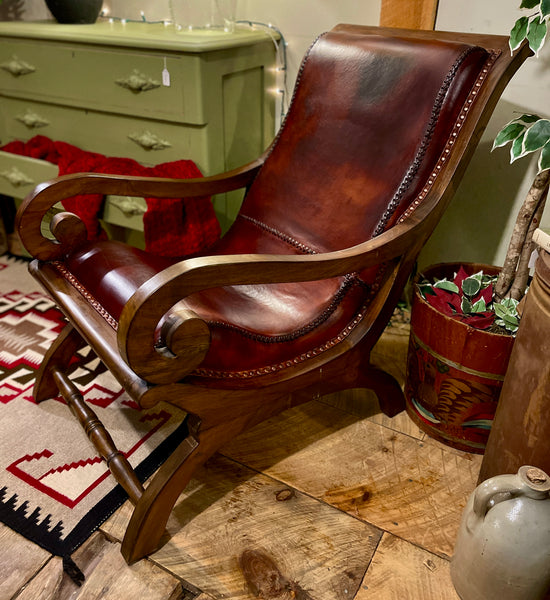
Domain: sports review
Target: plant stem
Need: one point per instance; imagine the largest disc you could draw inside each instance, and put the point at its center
(521, 279)
(521, 235)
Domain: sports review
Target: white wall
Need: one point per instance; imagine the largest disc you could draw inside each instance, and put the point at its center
(23, 10)
(478, 224)
(300, 21)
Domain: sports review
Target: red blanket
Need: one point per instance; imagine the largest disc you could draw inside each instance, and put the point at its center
(172, 227)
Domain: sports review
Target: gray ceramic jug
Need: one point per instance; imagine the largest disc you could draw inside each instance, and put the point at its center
(502, 551)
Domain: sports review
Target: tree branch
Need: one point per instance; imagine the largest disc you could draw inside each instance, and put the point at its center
(521, 279)
(522, 233)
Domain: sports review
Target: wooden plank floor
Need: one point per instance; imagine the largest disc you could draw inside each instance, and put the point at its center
(328, 501)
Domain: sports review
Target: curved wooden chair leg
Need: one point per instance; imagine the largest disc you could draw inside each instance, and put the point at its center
(390, 395)
(151, 513)
(59, 355)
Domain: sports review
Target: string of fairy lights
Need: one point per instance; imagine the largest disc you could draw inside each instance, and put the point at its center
(275, 34)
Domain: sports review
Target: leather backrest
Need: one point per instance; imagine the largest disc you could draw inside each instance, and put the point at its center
(369, 119)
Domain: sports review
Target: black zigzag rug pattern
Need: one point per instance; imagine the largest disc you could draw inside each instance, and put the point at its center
(54, 488)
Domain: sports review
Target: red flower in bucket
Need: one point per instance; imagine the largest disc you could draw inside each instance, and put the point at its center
(469, 298)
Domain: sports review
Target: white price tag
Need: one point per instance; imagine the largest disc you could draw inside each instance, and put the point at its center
(165, 75)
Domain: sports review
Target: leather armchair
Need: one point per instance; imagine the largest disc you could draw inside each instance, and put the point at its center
(289, 303)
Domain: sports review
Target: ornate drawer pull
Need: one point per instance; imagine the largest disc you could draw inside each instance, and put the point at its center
(138, 82)
(149, 141)
(17, 67)
(16, 177)
(128, 205)
(32, 120)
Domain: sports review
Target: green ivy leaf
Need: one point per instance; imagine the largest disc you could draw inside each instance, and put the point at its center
(507, 312)
(479, 306)
(518, 33)
(537, 136)
(466, 306)
(527, 119)
(511, 304)
(511, 320)
(500, 310)
(478, 276)
(508, 133)
(516, 150)
(511, 327)
(544, 158)
(545, 8)
(471, 286)
(536, 34)
(444, 284)
(425, 289)
(529, 3)
(488, 279)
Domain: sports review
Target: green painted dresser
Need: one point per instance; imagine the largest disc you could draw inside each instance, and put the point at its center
(138, 90)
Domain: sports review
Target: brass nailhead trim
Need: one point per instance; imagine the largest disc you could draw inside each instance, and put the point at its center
(279, 234)
(426, 140)
(447, 150)
(86, 294)
(214, 374)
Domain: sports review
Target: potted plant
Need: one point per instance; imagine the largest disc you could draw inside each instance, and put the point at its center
(458, 352)
(464, 317)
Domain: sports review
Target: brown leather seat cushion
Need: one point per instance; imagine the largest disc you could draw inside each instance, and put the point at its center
(252, 326)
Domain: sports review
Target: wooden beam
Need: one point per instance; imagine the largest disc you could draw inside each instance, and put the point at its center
(408, 14)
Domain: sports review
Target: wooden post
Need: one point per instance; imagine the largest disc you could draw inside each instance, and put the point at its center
(408, 14)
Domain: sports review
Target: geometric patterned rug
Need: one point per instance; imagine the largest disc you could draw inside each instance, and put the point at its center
(54, 488)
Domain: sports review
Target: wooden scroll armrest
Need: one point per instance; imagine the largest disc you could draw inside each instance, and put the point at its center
(184, 338)
(69, 232)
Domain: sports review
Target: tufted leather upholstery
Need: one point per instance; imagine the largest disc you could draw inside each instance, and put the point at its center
(370, 118)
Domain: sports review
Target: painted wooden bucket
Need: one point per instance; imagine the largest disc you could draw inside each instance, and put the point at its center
(454, 371)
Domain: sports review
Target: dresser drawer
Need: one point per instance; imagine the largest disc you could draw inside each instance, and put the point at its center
(20, 174)
(147, 141)
(104, 78)
(100, 87)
